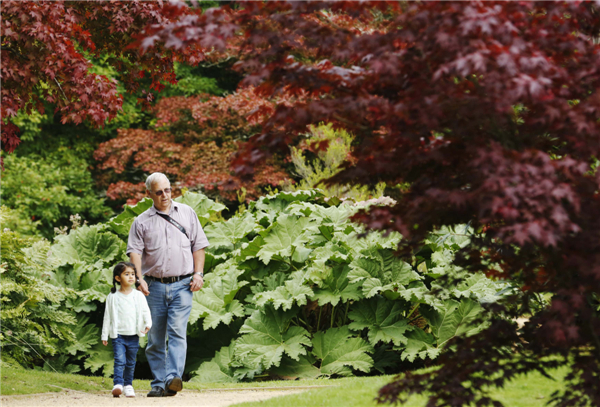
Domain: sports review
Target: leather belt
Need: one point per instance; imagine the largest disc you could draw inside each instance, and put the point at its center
(168, 280)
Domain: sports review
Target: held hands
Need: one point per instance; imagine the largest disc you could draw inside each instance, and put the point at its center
(104, 343)
(146, 330)
(196, 283)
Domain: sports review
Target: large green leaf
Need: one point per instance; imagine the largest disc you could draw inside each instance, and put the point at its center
(266, 336)
(457, 318)
(201, 204)
(100, 358)
(219, 369)
(87, 336)
(339, 351)
(291, 369)
(283, 238)
(380, 270)
(420, 345)
(293, 291)
(121, 223)
(226, 234)
(477, 286)
(215, 302)
(88, 244)
(384, 320)
(334, 285)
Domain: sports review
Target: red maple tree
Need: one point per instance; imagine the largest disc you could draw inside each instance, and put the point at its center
(490, 111)
(45, 51)
(192, 143)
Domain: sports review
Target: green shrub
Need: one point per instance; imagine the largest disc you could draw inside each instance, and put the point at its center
(49, 190)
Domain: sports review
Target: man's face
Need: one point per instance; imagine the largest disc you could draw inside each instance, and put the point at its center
(163, 201)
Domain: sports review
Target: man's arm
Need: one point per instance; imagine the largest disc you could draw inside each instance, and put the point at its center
(197, 280)
(136, 259)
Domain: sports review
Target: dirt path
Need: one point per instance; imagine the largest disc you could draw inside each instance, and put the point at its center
(205, 398)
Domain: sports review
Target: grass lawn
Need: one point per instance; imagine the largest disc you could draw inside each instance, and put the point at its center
(533, 390)
(530, 391)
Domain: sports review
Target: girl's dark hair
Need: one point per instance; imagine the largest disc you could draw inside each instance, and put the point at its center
(118, 270)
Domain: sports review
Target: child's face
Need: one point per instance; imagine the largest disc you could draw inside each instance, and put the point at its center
(127, 278)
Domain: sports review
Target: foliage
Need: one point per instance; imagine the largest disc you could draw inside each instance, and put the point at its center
(45, 50)
(489, 111)
(50, 189)
(192, 142)
(314, 299)
(331, 149)
(291, 291)
(35, 321)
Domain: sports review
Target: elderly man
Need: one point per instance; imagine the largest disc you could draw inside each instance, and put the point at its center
(166, 245)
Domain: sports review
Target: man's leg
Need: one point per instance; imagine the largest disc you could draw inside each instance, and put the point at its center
(180, 306)
(156, 350)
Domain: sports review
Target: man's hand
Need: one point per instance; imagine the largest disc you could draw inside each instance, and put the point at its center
(197, 282)
(146, 330)
(104, 343)
(143, 287)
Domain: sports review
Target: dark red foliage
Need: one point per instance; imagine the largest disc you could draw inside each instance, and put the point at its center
(193, 143)
(43, 58)
(490, 112)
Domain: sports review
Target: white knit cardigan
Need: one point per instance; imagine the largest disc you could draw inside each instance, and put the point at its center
(111, 316)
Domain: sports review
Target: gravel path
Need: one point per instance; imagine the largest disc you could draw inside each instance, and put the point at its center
(205, 398)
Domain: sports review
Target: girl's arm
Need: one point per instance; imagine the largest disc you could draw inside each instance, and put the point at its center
(146, 313)
(107, 320)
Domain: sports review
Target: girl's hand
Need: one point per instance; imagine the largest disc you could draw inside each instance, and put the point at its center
(104, 343)
(146, 330)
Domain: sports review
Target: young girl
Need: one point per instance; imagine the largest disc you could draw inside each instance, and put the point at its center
(126, 318)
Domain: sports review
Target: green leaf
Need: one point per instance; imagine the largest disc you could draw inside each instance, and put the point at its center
(100, 358)
(454, 320)
(420, 345)
(283, 237)
(227, 234)
(339, 352)
(477, 286)
(60, 365)
(293, 291)
(215, 302)
(291, 369)
(266, 336)
(335, 286)
(122, 223)
(88, 244)
(87, 336)
(219, 369)
(201, 204)
(383, 318)
(380, 270)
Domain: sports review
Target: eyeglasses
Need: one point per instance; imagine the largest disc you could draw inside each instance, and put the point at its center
(163, 191)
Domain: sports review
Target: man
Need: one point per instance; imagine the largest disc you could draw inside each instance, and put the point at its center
(169, 266)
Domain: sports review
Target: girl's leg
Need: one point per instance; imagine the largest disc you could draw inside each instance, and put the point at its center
(119, 353)
(132, 346)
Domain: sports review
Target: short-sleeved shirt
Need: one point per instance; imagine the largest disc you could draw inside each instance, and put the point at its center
(165, 250)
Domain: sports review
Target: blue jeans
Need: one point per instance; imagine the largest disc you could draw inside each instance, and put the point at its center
(125, 348)
(170, 305)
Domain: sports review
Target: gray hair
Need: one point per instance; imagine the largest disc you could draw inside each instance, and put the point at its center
(155, 177)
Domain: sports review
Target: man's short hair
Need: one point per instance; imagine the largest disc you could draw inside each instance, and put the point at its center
(155, 177)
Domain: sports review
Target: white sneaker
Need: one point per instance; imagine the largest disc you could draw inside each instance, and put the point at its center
(129, 391)
(117, 390)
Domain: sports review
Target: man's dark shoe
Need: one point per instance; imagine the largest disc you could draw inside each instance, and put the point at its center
(169, 393)
(175, 384)
(156, 392)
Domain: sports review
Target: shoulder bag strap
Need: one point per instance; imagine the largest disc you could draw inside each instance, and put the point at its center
(173, 222)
